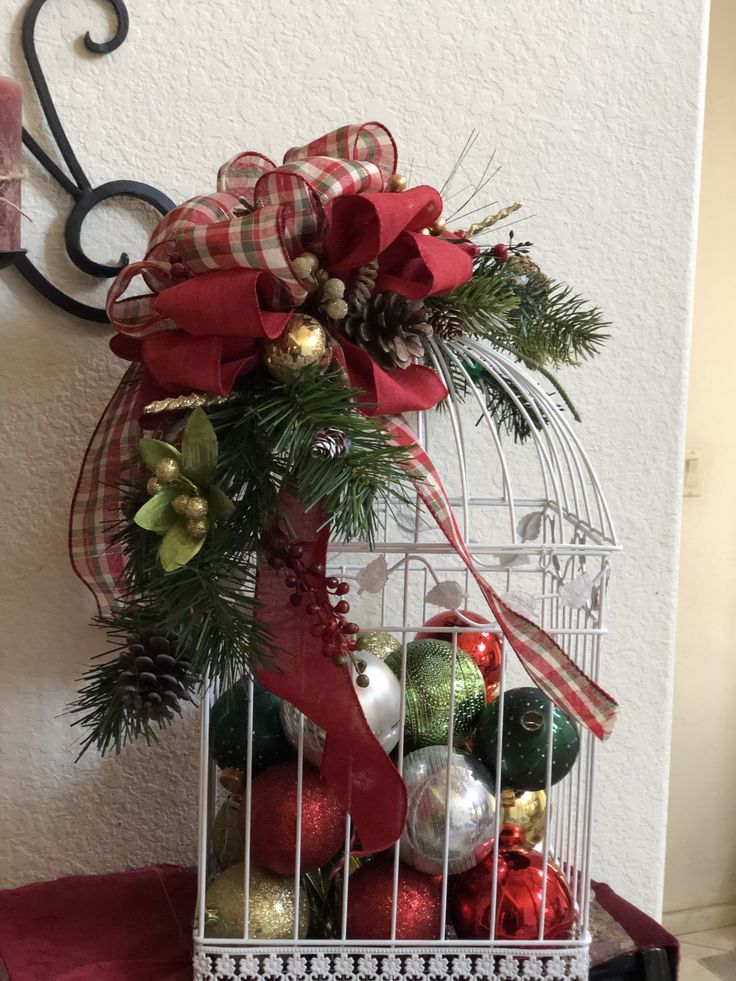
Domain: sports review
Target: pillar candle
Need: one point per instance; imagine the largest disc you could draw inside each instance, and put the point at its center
(11, 158)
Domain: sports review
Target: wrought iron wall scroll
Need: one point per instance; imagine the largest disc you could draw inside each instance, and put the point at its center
(75, 182)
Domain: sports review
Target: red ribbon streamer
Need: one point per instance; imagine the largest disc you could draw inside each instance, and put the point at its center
(354, 763)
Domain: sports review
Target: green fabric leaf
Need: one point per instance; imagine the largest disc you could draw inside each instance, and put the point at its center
(199, 448)
(157, 513)
(155, 450)
(221, 507)
(178, 547)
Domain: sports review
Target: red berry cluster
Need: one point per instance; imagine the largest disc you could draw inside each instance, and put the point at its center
(178, 269)
(314, 590)
(500, 251)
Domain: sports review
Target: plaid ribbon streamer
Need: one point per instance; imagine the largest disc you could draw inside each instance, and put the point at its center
(287, 206)
(547, 664)
(95, 510)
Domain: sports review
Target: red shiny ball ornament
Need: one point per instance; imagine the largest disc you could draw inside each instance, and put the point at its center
(519, 896)
(483, 645)
(273, 820)
(500, 252)
(419, 901)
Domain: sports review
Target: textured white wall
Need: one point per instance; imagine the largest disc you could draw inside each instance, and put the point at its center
(594, 110)
(703, 743)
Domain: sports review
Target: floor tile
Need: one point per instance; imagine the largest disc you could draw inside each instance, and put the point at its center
(722, 938)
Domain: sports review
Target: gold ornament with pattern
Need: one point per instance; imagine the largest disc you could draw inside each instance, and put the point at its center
(302, 345)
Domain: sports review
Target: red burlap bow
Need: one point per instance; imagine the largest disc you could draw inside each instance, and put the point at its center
(221, 283)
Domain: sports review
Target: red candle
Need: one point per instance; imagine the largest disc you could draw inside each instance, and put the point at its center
(11, 157)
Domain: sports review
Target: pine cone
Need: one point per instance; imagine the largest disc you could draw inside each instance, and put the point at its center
(526, 268)
(446, 323)
(154, 681)
(391, 328)
(361, 289)
(330, 443)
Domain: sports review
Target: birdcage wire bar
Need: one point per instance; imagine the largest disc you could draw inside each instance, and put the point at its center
(550, 478)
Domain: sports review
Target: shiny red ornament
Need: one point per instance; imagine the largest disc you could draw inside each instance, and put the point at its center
(370, 902)
(519, 896)
(273, 820)
(483, 645)
(500, 251)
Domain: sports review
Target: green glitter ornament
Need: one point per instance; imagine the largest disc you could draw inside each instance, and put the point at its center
(229, 729)
(428, 688)
(525, 735)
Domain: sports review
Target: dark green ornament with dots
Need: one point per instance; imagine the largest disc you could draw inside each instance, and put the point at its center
(428, 690)
(525, 738)
(229, 729)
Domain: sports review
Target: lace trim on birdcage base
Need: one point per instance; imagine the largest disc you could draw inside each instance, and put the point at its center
(218, 963)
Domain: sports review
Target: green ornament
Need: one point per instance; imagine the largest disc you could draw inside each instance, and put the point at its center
(227, 834)
(378, 642)
(428, 677)
(525, 736)
(229, 729)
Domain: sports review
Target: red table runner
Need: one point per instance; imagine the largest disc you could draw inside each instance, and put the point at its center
(136, 926)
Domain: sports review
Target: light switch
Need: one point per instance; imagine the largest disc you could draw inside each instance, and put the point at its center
(692, 474)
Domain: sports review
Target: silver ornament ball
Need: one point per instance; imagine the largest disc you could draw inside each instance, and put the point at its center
(380, 701)
(472, 809)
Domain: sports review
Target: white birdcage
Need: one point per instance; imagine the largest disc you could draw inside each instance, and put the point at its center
(537, 525)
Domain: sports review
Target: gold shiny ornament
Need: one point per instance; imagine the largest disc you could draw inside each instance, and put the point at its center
(527, 811)
(153, 486)
(196, 508)
(179, 504)
(438, 227)
(227, 835)
(197, 529)
(378, 642)
(167, 470)
(336, 309)
(397, 182)
(303, 343)
(270, 911)
(425, 231)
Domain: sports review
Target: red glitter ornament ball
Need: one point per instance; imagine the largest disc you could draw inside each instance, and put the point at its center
(519, 896)
(273, 820)
(370, 902)
(483, 645)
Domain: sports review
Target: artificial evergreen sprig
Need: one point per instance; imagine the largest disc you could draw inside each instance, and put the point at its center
(263, 446)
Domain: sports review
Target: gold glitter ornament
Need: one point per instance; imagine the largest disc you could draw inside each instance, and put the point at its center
(197, 529)
(180, 502)
(227, 835)
(196, 508)
(154, 486)
(305, 265)
(428, 691)
(303, 343)
(336, 309)
(334, 289)
(378, 642)
(271, 907)
(167, 470)
(527, 811)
